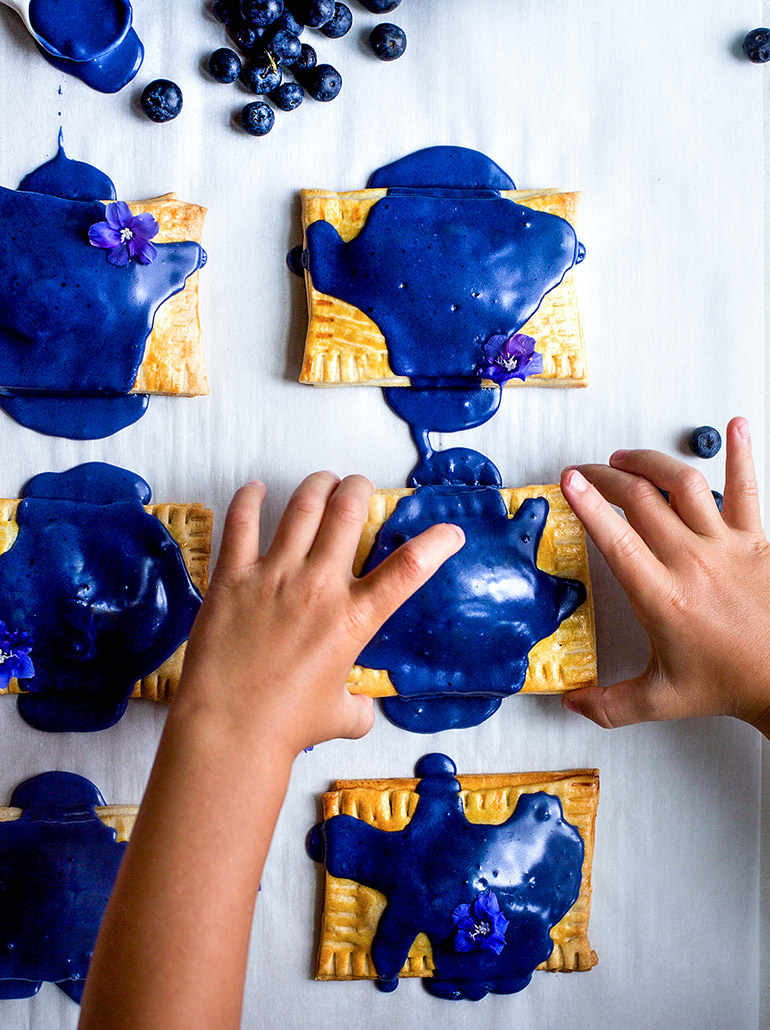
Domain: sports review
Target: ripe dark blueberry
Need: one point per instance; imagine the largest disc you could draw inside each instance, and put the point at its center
(224, 65)
(257, 118)
(288, 96)
(705, 441)
(756, 46)
(323, 82)
(340, 23)
(260, 13)
(226, 11)
(285, 47)
(380, 6)
(718, 498)
(289, 22)
(306, 61)
(161, 100)
(387, 41)
(314, 13)
(295, 260)
(261, 76)
(246, 38)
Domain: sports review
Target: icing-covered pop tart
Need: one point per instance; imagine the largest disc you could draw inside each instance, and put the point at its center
(470, 883)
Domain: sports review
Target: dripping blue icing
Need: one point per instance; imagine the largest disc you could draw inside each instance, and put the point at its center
(58, 864)
(102, 588)
(71, 346)
(532, 862)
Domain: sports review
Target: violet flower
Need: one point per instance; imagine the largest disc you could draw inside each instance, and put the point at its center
(480, 925)
(512, 357)
(125, 236)
(15, 646)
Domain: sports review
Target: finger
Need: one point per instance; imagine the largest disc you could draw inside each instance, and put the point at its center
(741, 504)
(642, 699)
(300, 521)
(635, 567)
(689, 493)
(338, 538)
(240, 537)
(384, 589)
(646, 510)
(362, 716)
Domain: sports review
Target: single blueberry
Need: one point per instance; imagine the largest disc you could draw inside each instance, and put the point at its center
(260, 13)
(295, 260)
(756, 46)
(387, 41)
(248, 39)
(226, 11)
(261, 76)
(257, 118)
(705, 441)
(305, 62)
(289, 22)
(161, 100)
(340, 23)
(224, 65)
(313, 13)
(718, 498)
(285, 47)
(323, 82)
(380, 6)
(288, 96)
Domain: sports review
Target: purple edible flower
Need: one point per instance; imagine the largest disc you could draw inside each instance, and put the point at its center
(15, 646)
(125, 236)
(480, 925)
(511, 357)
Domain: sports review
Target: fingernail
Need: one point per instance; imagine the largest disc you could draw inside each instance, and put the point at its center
(618, 455)
(577, 481)
(457, 530)
(743, 428)
(255, 482)
(570, 704)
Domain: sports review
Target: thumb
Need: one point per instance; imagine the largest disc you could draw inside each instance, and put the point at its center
(644, 698)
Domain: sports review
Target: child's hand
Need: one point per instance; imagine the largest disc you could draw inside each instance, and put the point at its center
(698, 581)
(277, 635)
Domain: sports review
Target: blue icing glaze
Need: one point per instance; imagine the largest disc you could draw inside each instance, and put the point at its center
(532, 862)
(77, 418)
(469, 630)
(109, 73)
(442, 168)
(58, 864)
(102, 588)
(431, 715)
(80, 30)
(68, 179)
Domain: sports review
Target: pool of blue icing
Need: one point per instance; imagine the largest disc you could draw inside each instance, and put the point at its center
(532, 862)
(73, 327)
(58, 864)
(101, 587)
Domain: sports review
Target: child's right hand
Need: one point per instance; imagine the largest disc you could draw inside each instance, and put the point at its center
(698, 581)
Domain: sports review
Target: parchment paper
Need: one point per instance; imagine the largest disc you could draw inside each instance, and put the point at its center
(647, 108)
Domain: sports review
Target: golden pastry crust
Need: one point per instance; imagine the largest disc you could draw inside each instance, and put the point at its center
(343, 345)
(564, 661)
(173, 361)
(351, 911)
(120, 818)
(190, 525)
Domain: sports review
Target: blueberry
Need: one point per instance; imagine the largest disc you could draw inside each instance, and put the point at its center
(288, 96)
(387, 41)
(224, 65)
(257, 118)
(718, 498)
(285, 47)
(226, 11)
(246, 38)
(306, 61)
(756, 46)
(261, 76)
(705, 441)
(161, 100)
(380, 6)
(340, 23)
(295, 260)
(314, 13)
(289, 22)
(323, 82)
(260, 13)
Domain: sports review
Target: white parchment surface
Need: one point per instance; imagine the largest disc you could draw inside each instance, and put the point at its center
(645, 107)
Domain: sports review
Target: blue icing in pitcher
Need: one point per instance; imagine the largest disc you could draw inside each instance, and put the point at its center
(100, 586)
(58, 864)
(486, 896)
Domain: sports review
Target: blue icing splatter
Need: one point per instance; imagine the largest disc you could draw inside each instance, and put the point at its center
(467, 632)
(58, 864)
(532, 863)
(101, 587)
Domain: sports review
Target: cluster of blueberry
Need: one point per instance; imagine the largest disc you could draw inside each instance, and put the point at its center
(266, 32)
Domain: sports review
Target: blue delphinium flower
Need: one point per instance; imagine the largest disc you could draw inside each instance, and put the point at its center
(15, 646)
(125, 236)
(511, 357)
(480, 925)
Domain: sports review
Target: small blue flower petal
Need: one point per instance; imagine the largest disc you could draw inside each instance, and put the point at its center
(118, 256)
(103, 235)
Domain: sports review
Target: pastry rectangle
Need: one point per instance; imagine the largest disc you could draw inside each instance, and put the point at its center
(343, 345)
(564, 661)
(351, 911)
